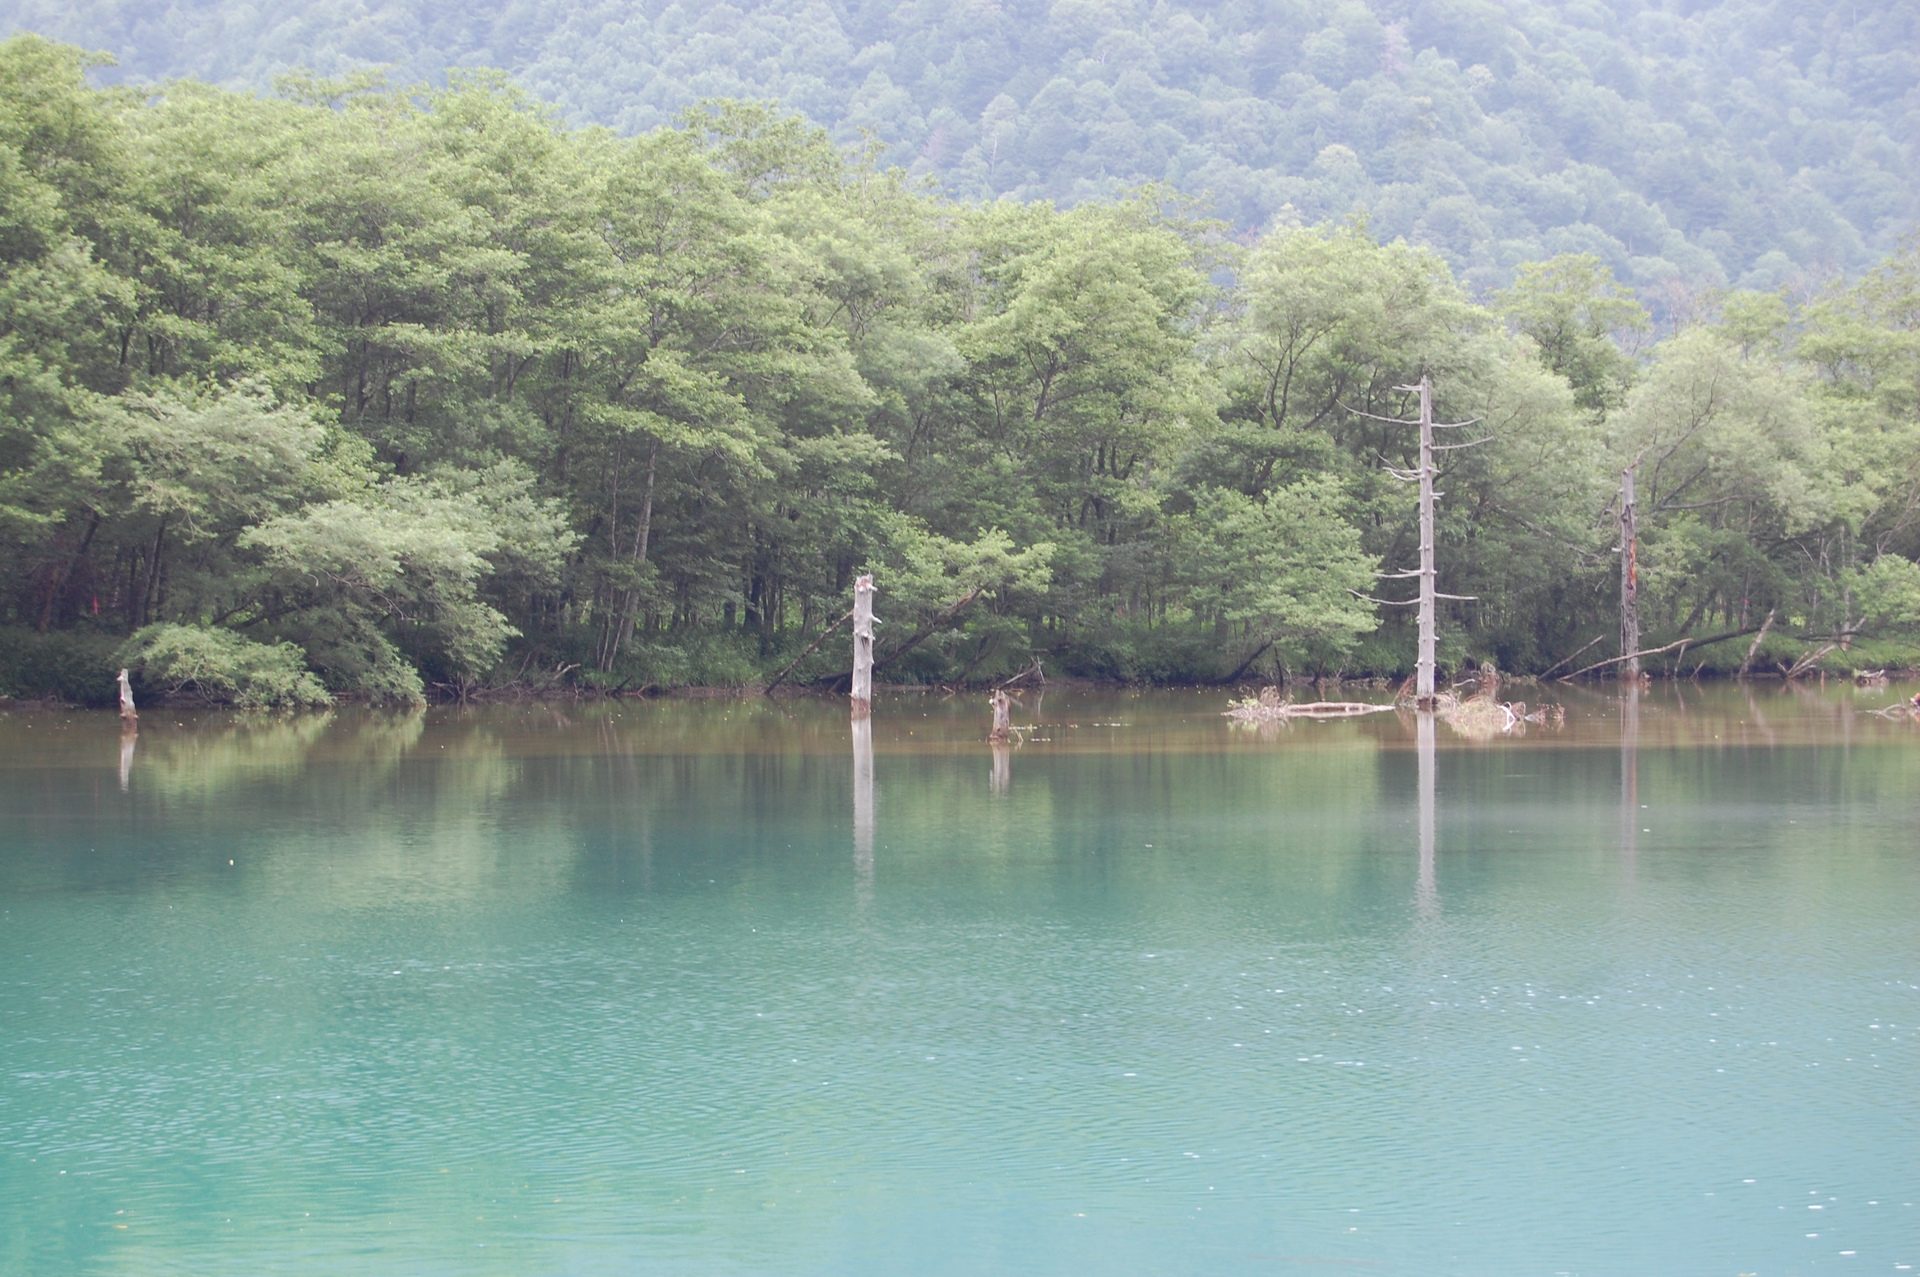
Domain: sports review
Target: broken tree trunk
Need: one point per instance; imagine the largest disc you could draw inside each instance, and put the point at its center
(1002, 717)
(127, 713)
(1423, 677)
(1423, 668)
(863, 646)
(1629, 579)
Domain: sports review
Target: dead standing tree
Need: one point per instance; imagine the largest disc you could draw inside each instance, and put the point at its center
(862, 691)
(1426, 573)
(1629, 578)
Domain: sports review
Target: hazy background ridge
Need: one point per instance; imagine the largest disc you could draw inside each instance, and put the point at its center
(1757, 143)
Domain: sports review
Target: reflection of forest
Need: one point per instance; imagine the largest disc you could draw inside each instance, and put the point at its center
(371, 809)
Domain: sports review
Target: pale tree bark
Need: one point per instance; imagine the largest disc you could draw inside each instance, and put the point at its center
(862, 691)
(1629, 577)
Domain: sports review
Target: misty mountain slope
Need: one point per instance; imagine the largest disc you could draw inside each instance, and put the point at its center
(1751, 142)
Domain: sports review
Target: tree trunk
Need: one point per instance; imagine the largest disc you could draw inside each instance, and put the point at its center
(1423, 668)
(58, 585)
(1002, 717)
(630, 603)
(863, 647)
(153, 573)
(1629, 577)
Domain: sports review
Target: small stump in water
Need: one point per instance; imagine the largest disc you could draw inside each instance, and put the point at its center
(1002, 718)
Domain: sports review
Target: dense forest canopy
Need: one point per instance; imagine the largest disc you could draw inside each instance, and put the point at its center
(1689, 144)
(351, 390)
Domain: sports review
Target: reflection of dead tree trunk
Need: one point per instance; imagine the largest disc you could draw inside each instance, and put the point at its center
(1426, 893)
(1758, 639)
(1001, 779)
(129, 736)
(863, 647)
(863, 805)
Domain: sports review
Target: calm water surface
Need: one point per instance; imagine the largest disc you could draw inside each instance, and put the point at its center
(706, 988)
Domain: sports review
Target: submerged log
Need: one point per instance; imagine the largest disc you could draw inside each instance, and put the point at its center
(1266, 710)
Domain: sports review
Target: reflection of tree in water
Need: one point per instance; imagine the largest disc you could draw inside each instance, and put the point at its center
(863, 805)
(1427, 894)
(1629, 777)
(206, 760)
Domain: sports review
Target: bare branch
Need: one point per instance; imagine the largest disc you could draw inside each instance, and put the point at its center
(1655, 651)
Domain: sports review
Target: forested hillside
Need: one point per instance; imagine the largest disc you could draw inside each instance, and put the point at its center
(367, 392)
(1688, 144)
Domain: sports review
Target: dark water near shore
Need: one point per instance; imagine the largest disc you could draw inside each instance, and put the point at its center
(688, 988)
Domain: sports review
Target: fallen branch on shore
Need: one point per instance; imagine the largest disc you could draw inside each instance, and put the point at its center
(1809, 659)
(1655, 651)
(811, 648)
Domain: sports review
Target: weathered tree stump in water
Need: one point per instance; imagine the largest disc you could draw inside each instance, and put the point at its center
(1002, 718)
(862, 691)
(127, 713)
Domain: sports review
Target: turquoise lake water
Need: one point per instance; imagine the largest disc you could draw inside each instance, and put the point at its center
(709, 987)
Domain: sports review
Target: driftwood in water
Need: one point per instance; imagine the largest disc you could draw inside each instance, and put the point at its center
(1271, 705)
(127, 713)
